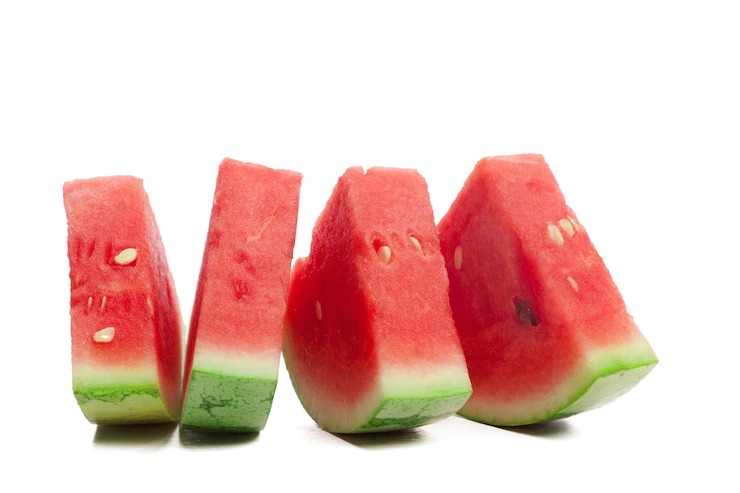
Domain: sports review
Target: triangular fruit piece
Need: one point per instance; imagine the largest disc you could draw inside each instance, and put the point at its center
(369, 343)
(544, 329)
(236, 326)
(126, 326)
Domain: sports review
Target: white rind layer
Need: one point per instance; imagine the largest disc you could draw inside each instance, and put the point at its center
(84, 375)
(264, 364)
(424, 381)
(604, 374)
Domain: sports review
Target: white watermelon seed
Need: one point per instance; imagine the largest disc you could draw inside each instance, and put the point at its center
(574, 223)
(384, 253)
(89, 302)
(319, 313)
(126, 256)
(573, 284)
(457, 259)
(416, 243)
(567, 226)
(150, 304)
(104, 335)
(555, 235)
(102, 303)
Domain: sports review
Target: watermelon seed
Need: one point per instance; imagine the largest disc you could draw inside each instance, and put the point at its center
(573, 284)
(318, 310)
(524, 312)
(567, 226)
(150, 304)
(102, 303)
(555, 235)
(384, 253)
(126, 257)
(89, 302)
(574, 223)
(457, 259)
(104, 335)
(416, 243)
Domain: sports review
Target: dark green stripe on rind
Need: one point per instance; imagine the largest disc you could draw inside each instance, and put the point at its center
(220, 402)
(114, 394)
(403, 413)
(122, 404)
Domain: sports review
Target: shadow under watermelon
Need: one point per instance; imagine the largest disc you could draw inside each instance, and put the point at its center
(158, 434)
(202, 438)
(559, 429)
(383, 439)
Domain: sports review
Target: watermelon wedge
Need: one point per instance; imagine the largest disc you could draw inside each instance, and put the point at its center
(126, 326)
(545, 331)
(369, 342)
(235, 337)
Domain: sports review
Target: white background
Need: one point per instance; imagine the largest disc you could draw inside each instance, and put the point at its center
(635, 105)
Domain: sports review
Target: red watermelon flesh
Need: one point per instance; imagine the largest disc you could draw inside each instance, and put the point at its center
(236, 326)
(126, 327)
(545, 331)
(370, 344)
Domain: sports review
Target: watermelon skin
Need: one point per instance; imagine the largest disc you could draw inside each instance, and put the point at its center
(369, 341)
(233, 351)
(135, 376)
(545, 331)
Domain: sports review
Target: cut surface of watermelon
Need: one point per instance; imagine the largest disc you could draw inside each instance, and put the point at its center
(369, 343)
(235, 337)
(545, 331)
(126, 326)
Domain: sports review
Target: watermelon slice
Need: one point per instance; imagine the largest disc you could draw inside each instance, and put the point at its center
(126, 326)
(369, 342)
(236, 327)
(544, 329)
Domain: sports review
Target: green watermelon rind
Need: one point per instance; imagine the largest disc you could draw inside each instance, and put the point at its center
(605, 375)
(123, 404)
(417, 397)
(607, 386)
(402, 413)
(229, 403)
